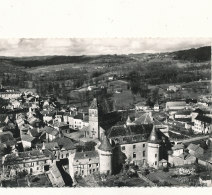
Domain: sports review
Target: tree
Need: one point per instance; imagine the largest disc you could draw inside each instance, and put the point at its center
(3, 103)
(136, 84)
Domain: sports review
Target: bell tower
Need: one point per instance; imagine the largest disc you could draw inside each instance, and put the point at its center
(94, 120)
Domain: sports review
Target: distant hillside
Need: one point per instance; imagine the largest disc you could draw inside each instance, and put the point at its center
(194, 55)
(55, 60)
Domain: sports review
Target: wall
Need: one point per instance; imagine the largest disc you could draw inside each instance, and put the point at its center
(105, 160)
(137, 148)
(153, 155)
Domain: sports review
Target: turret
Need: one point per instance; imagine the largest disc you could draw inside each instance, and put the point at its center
(105, 156)
(153, 149)
(128, 121)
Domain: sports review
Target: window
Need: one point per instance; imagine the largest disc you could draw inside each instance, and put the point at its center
(144, 153)
(82, 172)
(134, 146)
(38, 163)
(97, 165)
(67, 155)
(93, 170)
(134, 155)
(143, 145)
(155, 162)
(37, 168)
(89, 165)
(90, 171)
(156, 155)
(123, 147)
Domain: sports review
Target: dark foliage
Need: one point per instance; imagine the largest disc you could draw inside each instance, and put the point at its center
(194, 55)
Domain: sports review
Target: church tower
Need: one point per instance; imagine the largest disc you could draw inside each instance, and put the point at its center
(153, 149)
(94, 120)
(105, 156)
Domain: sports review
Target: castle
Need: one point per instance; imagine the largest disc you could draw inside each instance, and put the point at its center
(142, 144)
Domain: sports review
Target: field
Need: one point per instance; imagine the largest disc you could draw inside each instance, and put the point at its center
(52, 68)
(122, 96)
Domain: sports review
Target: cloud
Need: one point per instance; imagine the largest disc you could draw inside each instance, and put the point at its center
(91, 46)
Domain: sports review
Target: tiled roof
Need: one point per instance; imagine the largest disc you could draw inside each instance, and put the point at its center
(86, 155)
(34, 132)
(144, 119)
(27, 138)
(185, 120)
(105, 145)
(49, 145)
(65, 143)
(177, 103)
(79, 116)
(183, 112)
(16, 158)
(203, 118)
(154, 137)
(193, 147)
(94, 104)
(50, 130)
(123, 130)
(198, 110)
(178, 147)
(185, 156)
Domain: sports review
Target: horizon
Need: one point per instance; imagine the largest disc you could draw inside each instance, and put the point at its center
(96, 46)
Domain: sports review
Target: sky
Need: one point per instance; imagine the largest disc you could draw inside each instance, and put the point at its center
(92, 46)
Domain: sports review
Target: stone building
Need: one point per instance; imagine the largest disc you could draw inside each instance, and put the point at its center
(33, 162)
(138, 144)
(89, 162)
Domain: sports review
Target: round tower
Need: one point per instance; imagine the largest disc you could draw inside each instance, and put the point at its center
(105, 156)
(153, 149)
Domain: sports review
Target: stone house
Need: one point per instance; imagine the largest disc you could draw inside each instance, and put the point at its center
(33, 162)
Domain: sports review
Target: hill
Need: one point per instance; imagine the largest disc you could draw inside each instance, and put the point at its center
(194, 55)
